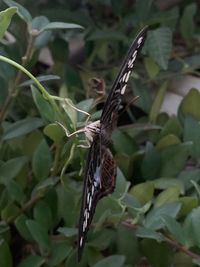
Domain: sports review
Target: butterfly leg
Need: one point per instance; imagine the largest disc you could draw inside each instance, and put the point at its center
(79, 110)
(86, 145)
(82, 130)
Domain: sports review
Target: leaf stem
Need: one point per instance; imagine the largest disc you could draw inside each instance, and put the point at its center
(26, 207)
(169, 241)
(13, 91)
(37, 83)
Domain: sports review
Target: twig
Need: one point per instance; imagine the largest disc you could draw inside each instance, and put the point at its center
(26, 207)
(13, 91)
(169, 241)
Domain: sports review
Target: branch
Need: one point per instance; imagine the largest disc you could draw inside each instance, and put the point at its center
(169, 241)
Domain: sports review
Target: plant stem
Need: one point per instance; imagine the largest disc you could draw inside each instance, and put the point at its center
(13, 91)
(56, 160)
(37, 83)
(169, 241)
(26, 207)
(181, 248)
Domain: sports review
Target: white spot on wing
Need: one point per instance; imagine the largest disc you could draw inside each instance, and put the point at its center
(131, 61)
(140, 40)
(123, 89)
(84, 227)
(85, 213)
(90, 204)
(88, 197)
(127, 76)
(81, 241)
(92, 190)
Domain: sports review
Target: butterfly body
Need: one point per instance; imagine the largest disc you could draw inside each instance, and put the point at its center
(101, 169)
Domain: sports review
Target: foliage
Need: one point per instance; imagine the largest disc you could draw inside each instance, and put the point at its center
(154, 213)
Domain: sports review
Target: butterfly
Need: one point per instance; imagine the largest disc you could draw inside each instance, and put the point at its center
(100, 170)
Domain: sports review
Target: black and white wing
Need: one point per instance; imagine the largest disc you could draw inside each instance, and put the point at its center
(100, 176)
(100, 173)
(113, 101)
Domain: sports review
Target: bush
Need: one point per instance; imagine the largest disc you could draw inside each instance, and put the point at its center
(153, 216)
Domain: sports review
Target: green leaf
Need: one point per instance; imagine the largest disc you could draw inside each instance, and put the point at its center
(11, 168)
(39, 234)
(150, 163)
(158, 254)
(143, 232)
(47, 183)
(9, 212)
(102, 239)
(41, 78)
(169, 195)
(196, 261)
(151, 67)
(173, 159)
(43, 105)
(159, 45)
(123, 143)
(145, 100)
(182, 260)
(68, 232)
(21, 11)
(127, 244)
(167, 141)
(121, 186)
(131, 201)
(164, 183)
(116, 260)
(60, 251)
(22, 127)
(192, 133)
(70, 110)
(154, 218)
(197, 187)
(155, 109)
(20, 224)
(32, 261)
(42, 214)
(54, 132)
(42, 161)
(5, 254)
(143, 192)
(187, 24)
(143, 9)
(188, 204)
(15, 191)
(5, 19)
(190, 104)
(125, 164)
(175, 229)
(195, 218)
(60, 25)
(187, 176)
(42, 39)
(172, 126)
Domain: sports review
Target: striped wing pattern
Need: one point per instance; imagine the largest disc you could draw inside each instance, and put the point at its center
(100, 171)
(100, 181)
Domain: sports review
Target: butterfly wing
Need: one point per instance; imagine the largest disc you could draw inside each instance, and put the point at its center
(100, 172)
(99, 181)
(112, 104)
